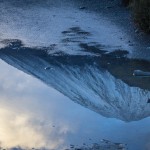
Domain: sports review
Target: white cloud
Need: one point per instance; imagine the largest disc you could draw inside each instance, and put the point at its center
(26, 107)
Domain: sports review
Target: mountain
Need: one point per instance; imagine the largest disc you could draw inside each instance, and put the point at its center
(101, 81)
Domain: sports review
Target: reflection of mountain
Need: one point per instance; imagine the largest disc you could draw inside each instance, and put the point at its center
(101, 82)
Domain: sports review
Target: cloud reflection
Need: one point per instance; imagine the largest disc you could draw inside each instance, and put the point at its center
(34, 115)
(22, 120)
(19, 131)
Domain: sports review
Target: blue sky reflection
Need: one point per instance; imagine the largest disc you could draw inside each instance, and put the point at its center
(35, 115)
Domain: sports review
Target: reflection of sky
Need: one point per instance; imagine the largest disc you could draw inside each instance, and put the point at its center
(34, 115)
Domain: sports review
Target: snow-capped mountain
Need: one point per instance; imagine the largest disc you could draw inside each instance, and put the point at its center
(102, 82)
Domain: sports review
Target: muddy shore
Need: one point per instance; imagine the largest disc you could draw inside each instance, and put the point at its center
(123, 18)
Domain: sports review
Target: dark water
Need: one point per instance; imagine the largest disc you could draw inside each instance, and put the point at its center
(34, 115)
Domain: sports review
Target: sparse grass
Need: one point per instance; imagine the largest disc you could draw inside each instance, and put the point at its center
(141, 9)
(126, 2)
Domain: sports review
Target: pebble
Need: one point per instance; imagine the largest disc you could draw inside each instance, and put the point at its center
(82, 7)
(148, 100)
(47, 68)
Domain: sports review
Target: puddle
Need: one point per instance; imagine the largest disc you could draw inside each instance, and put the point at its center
(91, 76)
(103, 83)
(67, 81)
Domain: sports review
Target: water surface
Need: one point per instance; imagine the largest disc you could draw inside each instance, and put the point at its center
(67, 80)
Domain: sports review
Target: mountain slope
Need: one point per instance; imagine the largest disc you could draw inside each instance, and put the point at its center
(87, 80)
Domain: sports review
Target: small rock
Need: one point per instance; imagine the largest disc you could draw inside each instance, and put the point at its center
(71, 146)
(141, 73)
(108, 7)
(148, 100)
(47, 68)
(82, 7)
(148, 47)
(137, 31)
(131, 44)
